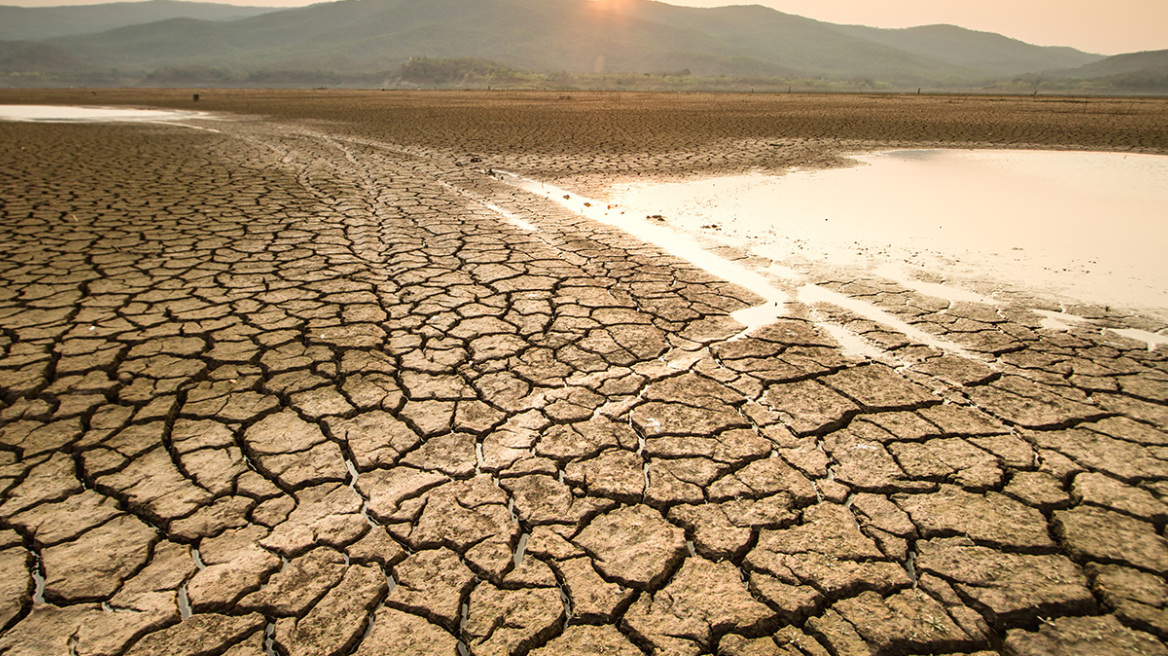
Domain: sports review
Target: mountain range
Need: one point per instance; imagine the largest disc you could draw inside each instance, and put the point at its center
(355, 40)
(36, 23)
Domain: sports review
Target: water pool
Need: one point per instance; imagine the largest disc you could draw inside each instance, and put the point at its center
(69, 114)
(1082, 226)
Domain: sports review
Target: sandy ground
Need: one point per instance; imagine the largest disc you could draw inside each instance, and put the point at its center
(311, 380)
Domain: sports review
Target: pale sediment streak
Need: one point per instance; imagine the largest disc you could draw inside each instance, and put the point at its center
(899, 274)
(1064, 321)
(776, 301)
(512, 219)
(1153, 340)
(675, 244)
(812, 294)
(851, 343)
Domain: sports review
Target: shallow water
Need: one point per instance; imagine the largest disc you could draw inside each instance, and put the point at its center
(66, 114)
(1086, 227)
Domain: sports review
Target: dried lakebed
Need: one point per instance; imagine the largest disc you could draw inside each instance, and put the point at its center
(278, 389)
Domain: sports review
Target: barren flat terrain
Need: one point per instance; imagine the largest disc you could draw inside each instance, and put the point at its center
(308, 378)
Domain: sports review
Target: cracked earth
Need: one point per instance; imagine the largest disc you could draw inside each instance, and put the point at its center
(271, 389)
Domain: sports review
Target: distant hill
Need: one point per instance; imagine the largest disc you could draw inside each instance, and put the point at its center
(790, 44)
(35, 58)
(1137, 72)
(37, 23)
(377, 39)
(1136, 62)
(992, 54)
(569, 35)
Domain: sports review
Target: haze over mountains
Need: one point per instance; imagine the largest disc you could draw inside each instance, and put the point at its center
(548, 42)
(35, 23)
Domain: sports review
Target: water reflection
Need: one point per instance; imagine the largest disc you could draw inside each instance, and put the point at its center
(1089, 227)
(67, 114)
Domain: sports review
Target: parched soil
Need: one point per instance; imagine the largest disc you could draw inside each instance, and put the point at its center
(574, 134)
(310, 380)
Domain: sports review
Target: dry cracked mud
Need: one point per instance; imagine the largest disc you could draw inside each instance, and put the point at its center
(276, 387)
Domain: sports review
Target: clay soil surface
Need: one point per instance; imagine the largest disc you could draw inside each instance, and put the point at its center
(309, 378)
(615, 135)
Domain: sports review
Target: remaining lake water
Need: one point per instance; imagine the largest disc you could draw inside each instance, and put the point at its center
(1081, 226)
(68, 114)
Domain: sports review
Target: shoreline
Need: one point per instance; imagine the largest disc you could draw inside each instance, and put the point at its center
(906, 227)
(785, 284)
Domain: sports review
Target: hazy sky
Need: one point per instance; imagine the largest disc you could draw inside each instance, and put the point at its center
(1107, 27)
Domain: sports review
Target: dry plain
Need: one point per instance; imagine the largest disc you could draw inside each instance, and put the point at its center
(308, 379)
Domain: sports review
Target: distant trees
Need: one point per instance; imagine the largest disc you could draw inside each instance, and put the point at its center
(427, 71)
(204, 76)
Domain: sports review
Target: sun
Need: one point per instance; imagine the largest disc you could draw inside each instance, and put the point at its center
(608, 6)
